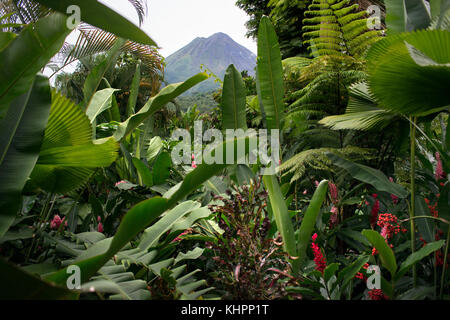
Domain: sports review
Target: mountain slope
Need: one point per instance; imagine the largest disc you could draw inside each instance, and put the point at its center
(216, 53)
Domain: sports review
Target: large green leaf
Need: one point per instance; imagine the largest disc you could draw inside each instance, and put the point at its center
(101, 101)
(309, 220)
(348, 273)
(401, 83)
(417, 15)
(21, 136)
(386, 254)
(282, 218)
(154, 147)
(152, 234)
(145, 175)
(362, 112)
(368, 175)
(134, 91)
(20, 285)
(270, 75)
(233, 100)
(95, 77)
(68, 156)
(27, 54)
(425, 226)
(156, 103)
(161, 168)
(103, 17)
(417, 256)
(6, 38)
(406, 15)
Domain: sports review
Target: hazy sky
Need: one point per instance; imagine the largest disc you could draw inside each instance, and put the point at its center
(175, 23)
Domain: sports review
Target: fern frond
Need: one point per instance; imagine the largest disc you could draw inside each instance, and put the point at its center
(344, 27)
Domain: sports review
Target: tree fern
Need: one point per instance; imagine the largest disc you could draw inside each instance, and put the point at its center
(337, 27)
(315, 159)
(323, 84)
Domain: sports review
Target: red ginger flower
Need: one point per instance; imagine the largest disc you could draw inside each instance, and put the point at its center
(377, 294)
(319, 259)
(439, 173)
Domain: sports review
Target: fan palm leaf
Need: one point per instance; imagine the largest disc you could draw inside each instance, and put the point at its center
(68, 155)
(362, 112)
(410, 72)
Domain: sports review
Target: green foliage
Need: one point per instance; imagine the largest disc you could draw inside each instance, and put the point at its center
(336, 27)
(27, 54)
(69, 156)
(412, 57)
(369, 175)
(269, 75)
(233, 100)
(21, 137)
(362, 113)
(90, 9)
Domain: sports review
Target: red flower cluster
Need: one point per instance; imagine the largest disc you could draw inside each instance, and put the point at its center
(360, 275)
(433, 211)
(377, 294)
(319, 259)
(375, 210)
(440, 259)
(389, 225)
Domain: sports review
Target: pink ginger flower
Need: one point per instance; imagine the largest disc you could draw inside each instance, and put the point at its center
(194, 164)
(120, 182)
(439, 173)
(57, 221)
(334, 216)
(180, 235)
(100, 227)
(99, 219)
(333, 192)
(305, 192)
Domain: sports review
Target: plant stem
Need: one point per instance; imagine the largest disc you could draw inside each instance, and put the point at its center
(413, 190)
(441, 293)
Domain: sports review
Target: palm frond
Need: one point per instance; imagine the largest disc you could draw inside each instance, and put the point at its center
(68, 155)
(92, 41)
(362, 112)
